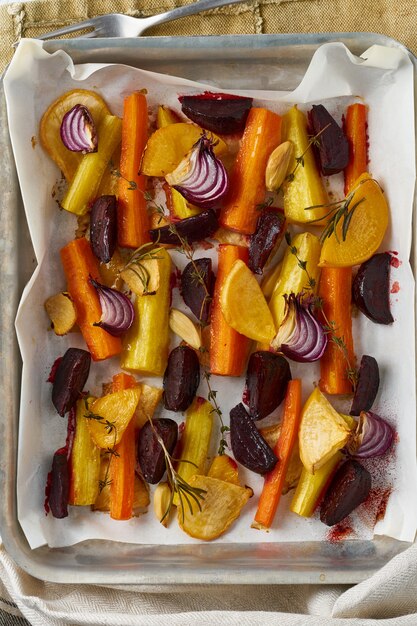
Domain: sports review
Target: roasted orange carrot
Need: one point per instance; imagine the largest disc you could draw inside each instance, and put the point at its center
(355, 129)
(79, 264)
(274, 480)
(228, 348)
(261, 136)
(133, 222)
(339, 358)
(122, 467)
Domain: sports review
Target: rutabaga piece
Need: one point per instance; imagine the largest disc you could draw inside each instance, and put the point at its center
(109, 416)
(146, 343)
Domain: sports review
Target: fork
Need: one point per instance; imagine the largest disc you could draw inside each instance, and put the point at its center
(118, 25)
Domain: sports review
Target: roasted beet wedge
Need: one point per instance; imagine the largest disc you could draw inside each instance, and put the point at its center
(267, 377)
(269, 231)
(367, 385)
(197, 280)
(370, 288)
(59, 485)
(219, 112)
(248, 446)
(332, 144)
(150, 454)
(70, 378)
(195, 228)
(350, 487)
(103, 228)
(181, 379)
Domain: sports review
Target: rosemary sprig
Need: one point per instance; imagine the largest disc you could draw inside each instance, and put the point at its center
(311, 282)
(186, 493)
(111, 451)
(212, 397)
(340, 210)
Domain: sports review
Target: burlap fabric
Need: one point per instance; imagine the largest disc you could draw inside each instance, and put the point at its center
(387, 598)
(390, 17)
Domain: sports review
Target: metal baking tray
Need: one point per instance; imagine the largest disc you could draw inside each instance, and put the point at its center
(276, 62)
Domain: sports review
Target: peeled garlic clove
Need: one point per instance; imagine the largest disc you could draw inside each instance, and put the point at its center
(185, 328)
(162, 500)
(277, 166)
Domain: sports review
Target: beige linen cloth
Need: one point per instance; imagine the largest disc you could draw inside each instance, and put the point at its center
(390, 596)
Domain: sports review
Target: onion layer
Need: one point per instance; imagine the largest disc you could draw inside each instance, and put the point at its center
(78, 131)
(373, 437)
(300, 337)
(200, 177)
(117, 312)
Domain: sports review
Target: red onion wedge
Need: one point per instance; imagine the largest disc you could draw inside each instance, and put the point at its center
(117, 312)
(373, 437)
(300, 337)
(78, 131)
(200, 177)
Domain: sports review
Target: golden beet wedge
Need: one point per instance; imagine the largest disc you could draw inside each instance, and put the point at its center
(366, 227)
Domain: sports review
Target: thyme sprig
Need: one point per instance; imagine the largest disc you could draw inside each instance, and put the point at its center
(111, 451)
(184, 248)
(212, 397)
(331, 329)
(136, 265)
(114, 171)
(186, 493)
(311, 282)
(299, 160)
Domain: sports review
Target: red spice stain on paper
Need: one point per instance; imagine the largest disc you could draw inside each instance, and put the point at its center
(340, 531)
(395, 287)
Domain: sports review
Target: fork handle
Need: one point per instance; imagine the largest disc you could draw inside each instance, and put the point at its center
(188, 9)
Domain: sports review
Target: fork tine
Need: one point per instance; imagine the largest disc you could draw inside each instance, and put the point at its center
(67, 29)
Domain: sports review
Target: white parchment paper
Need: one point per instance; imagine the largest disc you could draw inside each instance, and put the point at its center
(384, 79)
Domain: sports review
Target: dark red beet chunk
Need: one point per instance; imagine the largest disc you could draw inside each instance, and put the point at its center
(248, 446)
(70, 378)
(267, 377)
(221, 113)
(181, 379)
(194, 288)
(349, 487)
(333, 146)
(58, 487)
(191, 229)
(150, 453)
(370, 288)
(269, 231)
(103, 228)
(367, 385)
